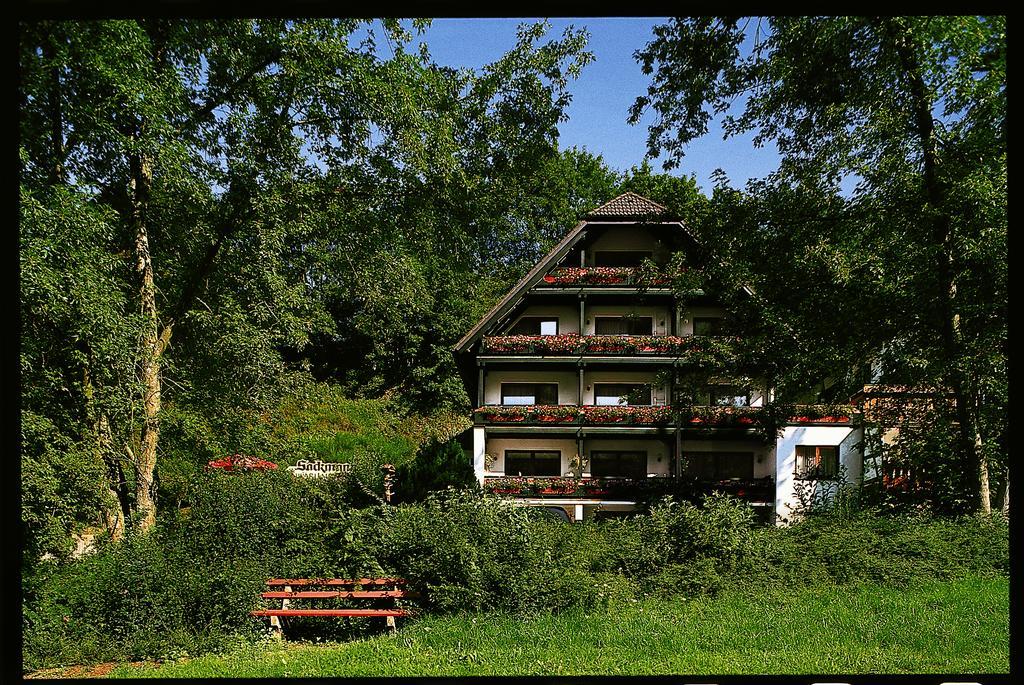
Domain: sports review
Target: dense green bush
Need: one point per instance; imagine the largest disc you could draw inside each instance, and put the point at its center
(869, 548)
(188, 586)
(438, 465)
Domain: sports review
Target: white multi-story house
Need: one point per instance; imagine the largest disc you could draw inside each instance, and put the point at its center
(574, 376)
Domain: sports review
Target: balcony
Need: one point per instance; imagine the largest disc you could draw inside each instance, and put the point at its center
(664, 415)
(697, 349)
(749, 489)
(604, 275)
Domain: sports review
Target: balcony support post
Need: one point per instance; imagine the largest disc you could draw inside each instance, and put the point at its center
(679, 451)
(480, 387)
(580, 448)
(583, 299)
(579, 385)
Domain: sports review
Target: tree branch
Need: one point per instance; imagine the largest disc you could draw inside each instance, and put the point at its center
(213, 103)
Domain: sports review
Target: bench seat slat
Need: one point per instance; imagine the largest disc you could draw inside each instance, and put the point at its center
(335, 581)
(330, 612)
(341, 594)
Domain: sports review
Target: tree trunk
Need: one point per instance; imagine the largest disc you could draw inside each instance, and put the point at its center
(116, 504)
(150, 352)
(969, 436)
(115, 517)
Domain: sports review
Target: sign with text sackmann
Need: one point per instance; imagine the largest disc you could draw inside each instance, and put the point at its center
(305, 467)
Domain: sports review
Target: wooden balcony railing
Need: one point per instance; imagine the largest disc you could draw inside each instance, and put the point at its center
(663, 415)
(605, 275)
(751, 489)
(696, 348)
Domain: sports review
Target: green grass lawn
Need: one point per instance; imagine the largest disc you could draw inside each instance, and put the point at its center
(941, 627)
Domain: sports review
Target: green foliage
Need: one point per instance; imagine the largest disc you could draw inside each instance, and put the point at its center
(867, 548)
(776, 630)
(912, 264)
(437, 466)
(317, 205)
(61, 488)
(189, 586)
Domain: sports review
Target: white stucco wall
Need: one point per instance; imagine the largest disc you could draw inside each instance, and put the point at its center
(661, 324)
(568, 317)
(621, 238)
(659, 461)
(785, 460)
(659, 453)
(479, 449)
(764, 463)
(659, 394)
(568, 382)
(686, 317)
(758, 395)
(497, 447)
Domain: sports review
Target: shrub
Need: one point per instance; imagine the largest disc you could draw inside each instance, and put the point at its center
(189, 585)
(438, 465)
(869, 548)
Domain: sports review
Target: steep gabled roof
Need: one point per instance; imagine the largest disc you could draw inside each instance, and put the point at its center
(629, 205)
(627, 208)
(524, 284)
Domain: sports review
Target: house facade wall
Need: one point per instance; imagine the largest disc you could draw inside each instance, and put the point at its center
(659, 454)
(662, 322)
(568, 317)
(764, 454)
(686, 317)
(786, 488)
(496, 447)
(568, 382)
(659, 392)
(622, 238)
(775, 459)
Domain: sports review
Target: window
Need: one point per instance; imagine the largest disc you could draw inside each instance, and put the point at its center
(622, 393)
(707, 325)
(719, 465)
(529, 393)
(623, 325)
(621, 257)
(535, 325)
(817, 461)
(728, 396)
(618, 464)
(533, 463)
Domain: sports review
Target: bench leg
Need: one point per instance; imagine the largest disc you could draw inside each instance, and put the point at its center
(277, 622)
(277, 627)
(392, 628)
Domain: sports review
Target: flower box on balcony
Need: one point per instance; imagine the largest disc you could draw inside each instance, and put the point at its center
(604, 275)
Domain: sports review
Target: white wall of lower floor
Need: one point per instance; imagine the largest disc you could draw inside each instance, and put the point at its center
(778, 460)
(788, 489)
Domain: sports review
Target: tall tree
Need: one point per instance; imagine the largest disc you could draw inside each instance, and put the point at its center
(914, 110)
(226, 170)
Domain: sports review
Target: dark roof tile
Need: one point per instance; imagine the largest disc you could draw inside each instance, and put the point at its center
(628, 205)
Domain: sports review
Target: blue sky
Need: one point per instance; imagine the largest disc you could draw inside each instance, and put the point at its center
(603, 94)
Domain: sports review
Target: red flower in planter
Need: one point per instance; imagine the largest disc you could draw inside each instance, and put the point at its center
(239, 462)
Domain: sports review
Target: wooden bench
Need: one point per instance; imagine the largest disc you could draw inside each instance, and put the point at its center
(387, 588)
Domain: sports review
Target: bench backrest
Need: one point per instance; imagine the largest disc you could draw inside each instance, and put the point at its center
(334, 582)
